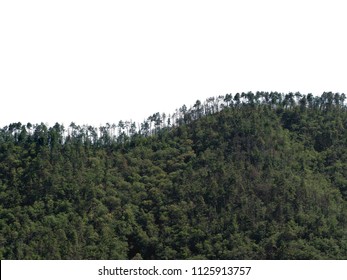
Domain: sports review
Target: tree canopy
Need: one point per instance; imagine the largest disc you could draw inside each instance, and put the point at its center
(247, 176)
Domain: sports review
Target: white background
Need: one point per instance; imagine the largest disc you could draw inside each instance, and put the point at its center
(89, 270)
(98, 61)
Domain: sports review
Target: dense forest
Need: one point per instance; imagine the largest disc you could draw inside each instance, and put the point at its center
(247, 176)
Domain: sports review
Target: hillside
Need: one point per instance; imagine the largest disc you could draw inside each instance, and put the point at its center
(249, 176)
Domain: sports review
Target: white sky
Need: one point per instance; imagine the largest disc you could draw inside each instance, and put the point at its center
(101, 61)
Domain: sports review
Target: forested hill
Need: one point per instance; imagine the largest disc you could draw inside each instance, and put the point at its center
(244, 176)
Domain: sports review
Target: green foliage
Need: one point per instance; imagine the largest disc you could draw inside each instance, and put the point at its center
(254, 176)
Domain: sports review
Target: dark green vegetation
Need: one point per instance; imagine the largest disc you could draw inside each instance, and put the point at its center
(250, 176)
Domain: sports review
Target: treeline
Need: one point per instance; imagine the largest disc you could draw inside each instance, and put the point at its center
(124, 130)
(249, 176)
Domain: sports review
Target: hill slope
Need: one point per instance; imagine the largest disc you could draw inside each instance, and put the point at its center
(264, 176)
